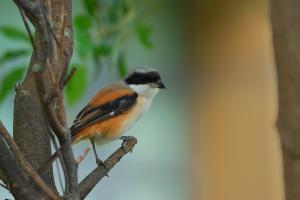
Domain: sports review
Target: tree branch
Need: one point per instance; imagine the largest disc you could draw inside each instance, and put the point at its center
(19, 185)
(50, 97)
(42, 52)
(62, 134)
(4, 186)
(91, 180)
(60, 131)
(30, 6)
(70, 76)
(26, 165)
(26, 26)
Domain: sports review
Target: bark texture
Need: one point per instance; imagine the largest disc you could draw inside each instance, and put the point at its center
(31, 129)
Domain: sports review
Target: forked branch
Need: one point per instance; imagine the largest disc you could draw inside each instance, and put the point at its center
(36, 12)
(17, 182)
(26, 165)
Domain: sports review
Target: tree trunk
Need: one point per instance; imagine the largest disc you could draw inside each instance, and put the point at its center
(31, 129)
(285, 17)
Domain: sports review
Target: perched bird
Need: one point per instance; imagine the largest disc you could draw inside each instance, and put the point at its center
(114, 110)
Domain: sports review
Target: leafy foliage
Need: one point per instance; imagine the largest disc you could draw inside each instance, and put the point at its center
(14, 33)
(77, 85)
(122, 65)
(11, 77)
(144, 33)
(91, 6)
(82, 21)
(101, 34)
(13, 54)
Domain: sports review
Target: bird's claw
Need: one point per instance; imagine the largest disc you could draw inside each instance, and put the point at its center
(101, 163)
(124, 145)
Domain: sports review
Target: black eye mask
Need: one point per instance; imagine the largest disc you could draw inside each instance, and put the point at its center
(142, 78)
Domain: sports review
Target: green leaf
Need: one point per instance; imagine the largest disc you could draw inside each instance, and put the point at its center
(82, 22)
(122, 65)
(13, 54)
(97, 65)
(77, 85)
(125, 7)
(91, 6)
(82, 43)
(9, 80)
(103, 49)
(14, 33)
(144, 33)
(113, 14)
(117, 10)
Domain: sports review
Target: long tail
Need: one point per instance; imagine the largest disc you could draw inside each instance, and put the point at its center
(48, 164)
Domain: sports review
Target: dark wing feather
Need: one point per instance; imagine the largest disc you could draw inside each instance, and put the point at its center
(90, 115)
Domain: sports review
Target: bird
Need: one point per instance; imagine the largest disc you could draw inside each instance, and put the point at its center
(114, 110)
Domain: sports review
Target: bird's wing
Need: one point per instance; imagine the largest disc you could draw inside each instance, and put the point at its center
(92, 114)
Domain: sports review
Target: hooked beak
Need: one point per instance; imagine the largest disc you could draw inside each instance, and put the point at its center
(160, 85)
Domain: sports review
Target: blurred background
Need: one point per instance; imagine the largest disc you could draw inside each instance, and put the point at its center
(211, 135)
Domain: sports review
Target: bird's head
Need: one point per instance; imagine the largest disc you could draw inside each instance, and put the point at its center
(146, 82)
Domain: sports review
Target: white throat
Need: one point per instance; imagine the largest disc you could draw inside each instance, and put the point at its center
(145, 90)
(145, 96)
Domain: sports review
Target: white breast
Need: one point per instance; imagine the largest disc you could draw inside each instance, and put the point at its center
(138, 111)
(145, 97)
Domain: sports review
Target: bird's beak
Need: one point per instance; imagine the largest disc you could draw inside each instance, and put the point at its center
(160, 85)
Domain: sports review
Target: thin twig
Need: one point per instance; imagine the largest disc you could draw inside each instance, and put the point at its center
(60, 44)
(24, 18)
(70, 76)
(61, 159)
(83, 155)
(51, 73)
(90, 181)
(26, 165)
(18, 183)
(4, 186)
(49, 25)
(59, 176)
(60, 131)
(63, 52)
(28, 5)
(63, 27)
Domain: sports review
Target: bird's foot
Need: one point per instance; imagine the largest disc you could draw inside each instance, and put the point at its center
(124, 146)
(101, 163)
